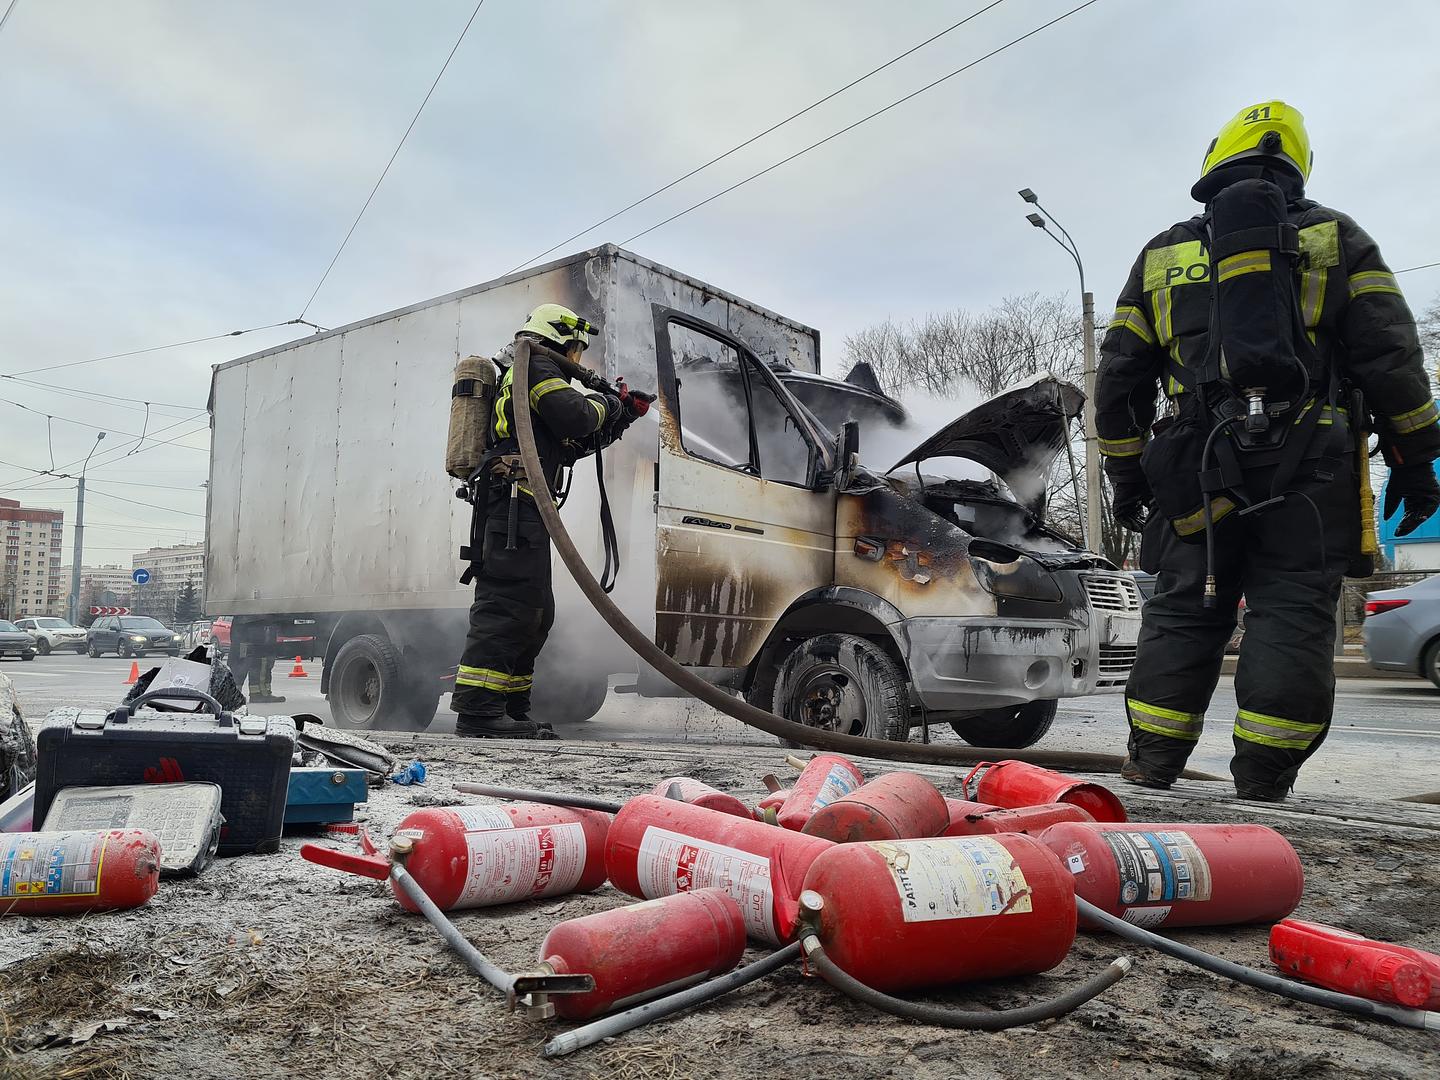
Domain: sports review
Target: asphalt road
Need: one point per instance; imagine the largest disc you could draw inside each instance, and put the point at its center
(1385, 740)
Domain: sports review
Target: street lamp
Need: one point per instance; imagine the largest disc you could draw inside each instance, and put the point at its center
(74, 603)
(1087, 301)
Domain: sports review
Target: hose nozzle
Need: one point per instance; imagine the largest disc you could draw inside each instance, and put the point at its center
(1211, 600)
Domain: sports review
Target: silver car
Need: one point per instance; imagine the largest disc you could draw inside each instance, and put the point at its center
(16, 642)
(1402, 629)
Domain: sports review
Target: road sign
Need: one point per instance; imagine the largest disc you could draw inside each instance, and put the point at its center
(109, 611)
(140, 577)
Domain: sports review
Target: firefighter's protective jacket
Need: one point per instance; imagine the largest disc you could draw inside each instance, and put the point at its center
(571, 424)
(1353, 311)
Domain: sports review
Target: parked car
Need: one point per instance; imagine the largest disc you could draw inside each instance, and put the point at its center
(16, 642)
(291, 638)
(131, 635)
(51, 634)
(220, 634)
(1402, 629)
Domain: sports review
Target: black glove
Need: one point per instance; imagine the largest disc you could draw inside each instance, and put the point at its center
(1417, 488)
(1130, 500)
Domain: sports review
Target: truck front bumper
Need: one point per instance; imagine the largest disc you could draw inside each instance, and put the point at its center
(969, 664)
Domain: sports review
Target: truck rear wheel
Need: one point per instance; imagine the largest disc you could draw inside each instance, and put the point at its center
(563, 701)
(1012, 727)
(369, 688)
(844, 683)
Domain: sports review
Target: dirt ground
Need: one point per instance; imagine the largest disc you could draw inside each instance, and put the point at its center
(268, 966)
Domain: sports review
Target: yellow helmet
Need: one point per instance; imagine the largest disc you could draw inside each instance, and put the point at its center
(560, 325)
(1270, 130)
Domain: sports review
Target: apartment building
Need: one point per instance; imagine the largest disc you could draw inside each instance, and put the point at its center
(30, 581)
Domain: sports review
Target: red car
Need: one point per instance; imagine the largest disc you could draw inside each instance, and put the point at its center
(296, 643)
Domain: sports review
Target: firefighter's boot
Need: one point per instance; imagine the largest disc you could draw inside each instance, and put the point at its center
(517, 708)
(264, 671)
(486, 718)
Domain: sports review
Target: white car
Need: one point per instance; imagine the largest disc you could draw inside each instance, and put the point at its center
(51, 634)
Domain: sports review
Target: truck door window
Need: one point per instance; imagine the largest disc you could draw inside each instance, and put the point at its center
(729, 413)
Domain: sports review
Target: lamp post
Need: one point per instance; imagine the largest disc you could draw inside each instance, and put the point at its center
(1093, 491)
(74, 604)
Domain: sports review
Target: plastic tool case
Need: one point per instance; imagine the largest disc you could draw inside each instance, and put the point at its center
(248, 756)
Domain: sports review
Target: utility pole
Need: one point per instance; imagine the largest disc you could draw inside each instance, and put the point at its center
(73, 606)
(1093, 490)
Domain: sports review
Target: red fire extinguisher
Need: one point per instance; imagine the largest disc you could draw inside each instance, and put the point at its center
(906, 914)
(657, 847)
(1026, 819)
(824, 778)
(1014, 784)
(51, 873)
(768, 808)
(697, 793)
(894, 806)
(1351, 964)
(480, 856)
(1181, 874)
(642, 951)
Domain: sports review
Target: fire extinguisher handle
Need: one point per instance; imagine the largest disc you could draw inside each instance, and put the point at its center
(371, 866)
(965, 783)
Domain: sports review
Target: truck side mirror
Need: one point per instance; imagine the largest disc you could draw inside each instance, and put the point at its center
(847, 453)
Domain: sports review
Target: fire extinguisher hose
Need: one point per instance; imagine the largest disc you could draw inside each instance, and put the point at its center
(1261, 980)
(619, 1023)
(833, 741)
(943, 1016)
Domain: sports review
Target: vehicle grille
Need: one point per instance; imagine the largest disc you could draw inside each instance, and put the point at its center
(1115, 664)
(1113, 593)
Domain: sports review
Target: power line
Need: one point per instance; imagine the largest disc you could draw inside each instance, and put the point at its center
(385, 171)
(1423, 266)
(864, 119)
(106, 458)
(6, 17)
(156, 348)
(82, 423)
(96, 395)
(760, 135)
(137, 502)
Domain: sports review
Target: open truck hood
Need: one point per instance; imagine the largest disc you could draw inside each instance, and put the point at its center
(1016, 434)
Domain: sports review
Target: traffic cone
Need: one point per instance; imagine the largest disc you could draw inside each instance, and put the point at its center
(298, 671)
(134, 676)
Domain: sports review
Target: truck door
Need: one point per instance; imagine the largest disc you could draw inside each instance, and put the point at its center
(745, 516)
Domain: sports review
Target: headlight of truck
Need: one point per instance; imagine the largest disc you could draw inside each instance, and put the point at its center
(1003, 571)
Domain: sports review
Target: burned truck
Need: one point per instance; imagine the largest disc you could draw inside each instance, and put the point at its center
(755, 546)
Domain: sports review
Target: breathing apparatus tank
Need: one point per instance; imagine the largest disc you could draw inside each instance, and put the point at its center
(472, 394)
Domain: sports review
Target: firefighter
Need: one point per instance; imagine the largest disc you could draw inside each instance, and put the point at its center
(1287, 522)
(514, 602)
(252, 659)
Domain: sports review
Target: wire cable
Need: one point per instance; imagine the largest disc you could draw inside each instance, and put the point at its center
(82, 423)
(863, 120)
(151, 349)
(758, 136)
(1422, 266)
(96, 395)
(89, 483)
(385, 171)
(6, 17)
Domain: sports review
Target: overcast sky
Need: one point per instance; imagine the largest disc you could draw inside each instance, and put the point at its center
(175, 170)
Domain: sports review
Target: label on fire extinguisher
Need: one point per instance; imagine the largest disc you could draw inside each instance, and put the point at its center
(510, 864)
(962, 877)
(839, 782)
(1159, 867)
(670, 862)
(64, 864)
(475, 818)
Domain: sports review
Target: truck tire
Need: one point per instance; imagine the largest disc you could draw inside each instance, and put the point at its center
(369, 688)
(567, 701)
(1013, 727)
(845, 683)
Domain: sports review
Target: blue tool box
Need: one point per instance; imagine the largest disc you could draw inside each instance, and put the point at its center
(321, 796)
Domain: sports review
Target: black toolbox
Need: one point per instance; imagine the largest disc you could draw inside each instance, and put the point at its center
(248, 756)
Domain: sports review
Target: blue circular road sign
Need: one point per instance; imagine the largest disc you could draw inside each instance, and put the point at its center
(140, 577)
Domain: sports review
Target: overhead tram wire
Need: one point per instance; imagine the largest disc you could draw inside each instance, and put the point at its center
(1422, 266)
(385, 171)
(136, 502)
(758, 135)
(863, 120)
(106, 457)
(79, 423)
(114, 400)
(155, 348)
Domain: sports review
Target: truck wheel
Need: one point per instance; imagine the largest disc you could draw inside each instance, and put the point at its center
(1012, 727)
(369, 688)
(565, 701)
(844, 683)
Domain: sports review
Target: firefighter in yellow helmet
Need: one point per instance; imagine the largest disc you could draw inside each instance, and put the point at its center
(514, 603)
(1278, 339)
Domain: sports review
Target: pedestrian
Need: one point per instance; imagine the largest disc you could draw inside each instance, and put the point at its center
(252, 659)
(514, 602)
(1276, 333)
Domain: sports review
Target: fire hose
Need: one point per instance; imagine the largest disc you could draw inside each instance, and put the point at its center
(1260, 980)
(811, 905)
(714, 696)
